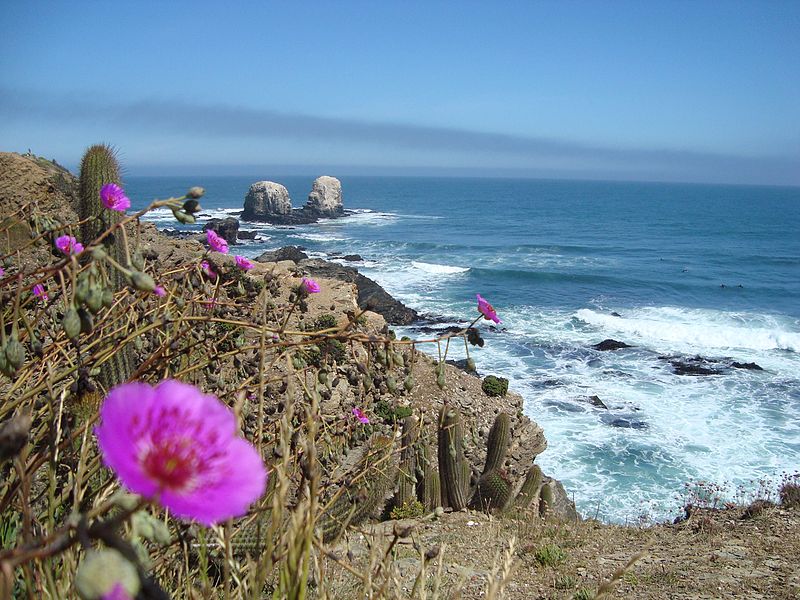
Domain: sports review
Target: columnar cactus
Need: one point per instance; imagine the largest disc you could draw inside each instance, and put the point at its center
(406, 491)
(497, 443)
(451, 458)
(529, 492)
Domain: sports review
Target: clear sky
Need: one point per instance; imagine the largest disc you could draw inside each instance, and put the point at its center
(676, 91)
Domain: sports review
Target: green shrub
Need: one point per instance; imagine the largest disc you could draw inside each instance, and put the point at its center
(409, 510)
(494, 386)
(326, 321)
(550, 555)
(391, 414)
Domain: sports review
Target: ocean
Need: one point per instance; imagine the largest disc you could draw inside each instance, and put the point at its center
(675, 270)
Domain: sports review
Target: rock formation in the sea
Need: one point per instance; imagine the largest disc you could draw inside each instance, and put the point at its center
(266, 200)
(227, 228)
(293, 253)
(325, 198)
(269, 201)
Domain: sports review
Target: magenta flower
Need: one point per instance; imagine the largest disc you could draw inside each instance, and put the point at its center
(216, 242)
(114, 198)
(487, 310)
(2, 272)
(310, 286)
(160, 291)
(359, 414)
(69, 245)
(117, 592)
(39, 292)
(244, 263)
(208, 269)
(174, 444)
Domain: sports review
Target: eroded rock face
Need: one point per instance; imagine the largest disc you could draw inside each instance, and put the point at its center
(266, 199)
(227, 228)
(325, 198)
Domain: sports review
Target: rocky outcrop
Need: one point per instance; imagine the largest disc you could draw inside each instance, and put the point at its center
(325, 198)
(293, 253)
(610, 344)
(227, 228)
(266, 200)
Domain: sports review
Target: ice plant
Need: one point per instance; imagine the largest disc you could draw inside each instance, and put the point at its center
(67, 244)
(216, 242)
(160, 291)
(38, 291)
(176, 445)
(118, 592)
(244, 263)
(310, 286)
(2, 271)
(359, 414)
(487, 310)
(208, 269)
(114, 198)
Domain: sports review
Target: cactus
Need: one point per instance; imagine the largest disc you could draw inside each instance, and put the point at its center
(497, 443)
(451, 458)
(529, 492)
(546, 498)
(493, 491)
(98, 167)
(406, 491)
(354, 503)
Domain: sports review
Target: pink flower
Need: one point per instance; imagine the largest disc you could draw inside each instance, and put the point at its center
(216, 242)
(310, 286)
(114, 198)
(208, 269)
(2, 272)
(487, 310)
(244, 263)
(69, 245)
(177, 445)
(116, 593)
(361, 416)
(160, 291)
(38, 291)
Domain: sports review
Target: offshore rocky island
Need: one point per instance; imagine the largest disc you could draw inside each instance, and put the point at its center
(269, 201)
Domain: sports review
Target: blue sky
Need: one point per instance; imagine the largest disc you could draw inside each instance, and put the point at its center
(676, 91)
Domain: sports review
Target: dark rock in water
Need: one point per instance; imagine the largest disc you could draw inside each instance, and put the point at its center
(610, 344)
(696, 366)
(751, 366)
(625, 423)
(293, 253)
(439, 330)
(247, 235)
(353, 258)
(615, 314)
(595, 401)
(228, 228)
(371, 296)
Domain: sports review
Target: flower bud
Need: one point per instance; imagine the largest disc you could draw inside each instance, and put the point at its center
(409, 383)
(398, 360)
(94, 299)
(183, 217)
(99, 253)
(101, 570)
(137, 260)
(108, 298)
(195, 192)
(322, 377)
(71, 323)
(5, 366)
(14, 435)
(15, 353)
(391, 384)
(142, 281)
(470, 365)
(87, 320)
(440, 381)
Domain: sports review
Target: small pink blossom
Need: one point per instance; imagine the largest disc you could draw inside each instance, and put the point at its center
(244, 263)
(216, 242)
(179, 446)
(116, 593)
(160, 291)
(2, 272)
(114, 198)
(487, 310)
(310, 286)
(206, 267)
(69, 245)
(39, 292)
(359, 414)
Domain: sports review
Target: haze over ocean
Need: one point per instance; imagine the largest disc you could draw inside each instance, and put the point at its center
(676, 270)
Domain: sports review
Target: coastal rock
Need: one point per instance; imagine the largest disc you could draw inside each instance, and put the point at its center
(610, 344)
(751, 366)
(266, 199)
(247, 235)
(293, 253)
(227, 228)
(325, 198)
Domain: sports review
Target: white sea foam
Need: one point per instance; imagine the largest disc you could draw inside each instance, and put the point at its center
(318, 237)
(439, 269)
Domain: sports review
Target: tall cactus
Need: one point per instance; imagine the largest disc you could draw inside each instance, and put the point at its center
(406, 491)
(99, 166)
(374, 478)
(493, 491)
(546, 498)
(529, 492)
(497, 443)
(451, 458)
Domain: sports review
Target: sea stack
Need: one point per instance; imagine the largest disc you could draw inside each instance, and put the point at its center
(325, 199)
(266, 200)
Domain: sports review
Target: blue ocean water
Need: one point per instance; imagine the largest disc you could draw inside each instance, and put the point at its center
(675, 270)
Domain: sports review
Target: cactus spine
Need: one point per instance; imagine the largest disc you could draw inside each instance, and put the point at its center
(354, 503)
(406, 491)
(529, 492)
(451, 458)
(497, 443)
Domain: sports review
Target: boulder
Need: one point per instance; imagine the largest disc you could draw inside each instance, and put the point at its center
(293, 253)
(227, 228)
(610, 344)
(325, 198)
(266, 199)
(247, 235)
